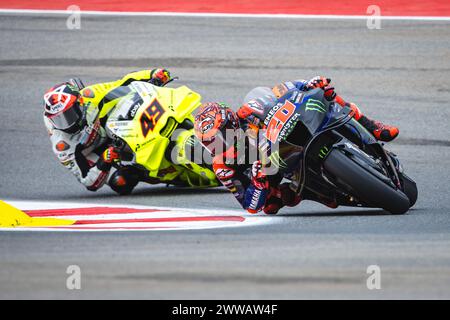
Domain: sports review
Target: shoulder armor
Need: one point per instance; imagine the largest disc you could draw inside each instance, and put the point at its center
(64, 145)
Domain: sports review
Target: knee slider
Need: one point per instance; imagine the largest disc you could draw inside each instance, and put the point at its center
(122, 182)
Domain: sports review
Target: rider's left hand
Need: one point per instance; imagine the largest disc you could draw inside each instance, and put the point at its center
(110, 155)
(259, 179)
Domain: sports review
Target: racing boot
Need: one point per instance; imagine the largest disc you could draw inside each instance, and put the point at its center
(280, 197)
(272, 208)
(288, 196)
(381, 131)
(274, 202)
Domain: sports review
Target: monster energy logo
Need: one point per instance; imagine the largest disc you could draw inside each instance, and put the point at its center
(315, 105)
(191, 141)
(277, 161)
(323, 152)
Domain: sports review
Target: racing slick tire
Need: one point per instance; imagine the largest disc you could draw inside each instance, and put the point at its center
(362, 184)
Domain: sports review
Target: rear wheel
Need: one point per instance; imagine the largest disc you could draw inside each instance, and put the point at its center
(364, 185)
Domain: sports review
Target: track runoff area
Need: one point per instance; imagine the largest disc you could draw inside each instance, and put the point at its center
(62, 216)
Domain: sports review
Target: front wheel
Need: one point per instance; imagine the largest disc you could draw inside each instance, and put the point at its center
(364, 185)
(409, 188)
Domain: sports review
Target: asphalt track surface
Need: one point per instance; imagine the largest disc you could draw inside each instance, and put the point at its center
(399, 74)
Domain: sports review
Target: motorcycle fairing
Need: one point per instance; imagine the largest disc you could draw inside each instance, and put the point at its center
(142, 118)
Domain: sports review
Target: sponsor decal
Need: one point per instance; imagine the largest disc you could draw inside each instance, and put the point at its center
(315, 105)
(138, 145)
(64, 156)
(191, 141)
(142, 89)
(255, 199)
(299, 98)
(119, 124)
(206, 125)
(134, 110)
(277, 161)
(68, 164)
(323, 152)
(224, 174)
(272, 112)
(289, 85)
(288, 127)
(90, 134)
(56, 108)
(352, 146)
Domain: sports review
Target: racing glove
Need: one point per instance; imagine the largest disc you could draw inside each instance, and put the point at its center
(256, 194)
(324, 83)
(159, 77)
(329, 93)
(97, 175)
(108, 157)
(318, 82)
(259, 179)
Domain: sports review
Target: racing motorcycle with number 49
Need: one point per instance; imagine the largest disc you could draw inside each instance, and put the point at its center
(333, 156)
(152, 127)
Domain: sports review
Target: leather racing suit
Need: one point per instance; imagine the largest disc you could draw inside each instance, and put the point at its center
(81, 151)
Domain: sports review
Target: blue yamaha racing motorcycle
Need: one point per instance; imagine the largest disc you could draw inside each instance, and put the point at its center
(327, 153)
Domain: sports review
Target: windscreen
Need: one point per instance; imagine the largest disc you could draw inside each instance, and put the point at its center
(127, 107)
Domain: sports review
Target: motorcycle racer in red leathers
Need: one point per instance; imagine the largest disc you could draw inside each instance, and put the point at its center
(249, 182)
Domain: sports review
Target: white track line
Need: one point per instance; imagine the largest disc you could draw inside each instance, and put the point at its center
(220, 15)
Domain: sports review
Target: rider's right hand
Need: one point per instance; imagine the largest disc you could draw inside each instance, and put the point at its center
(329, 93)
(323, 83)
(318, 82)
(159, 77)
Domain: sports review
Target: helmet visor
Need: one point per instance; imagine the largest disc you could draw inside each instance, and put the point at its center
(67, 118)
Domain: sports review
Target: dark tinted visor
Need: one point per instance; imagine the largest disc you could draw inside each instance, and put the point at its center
(67, 118)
